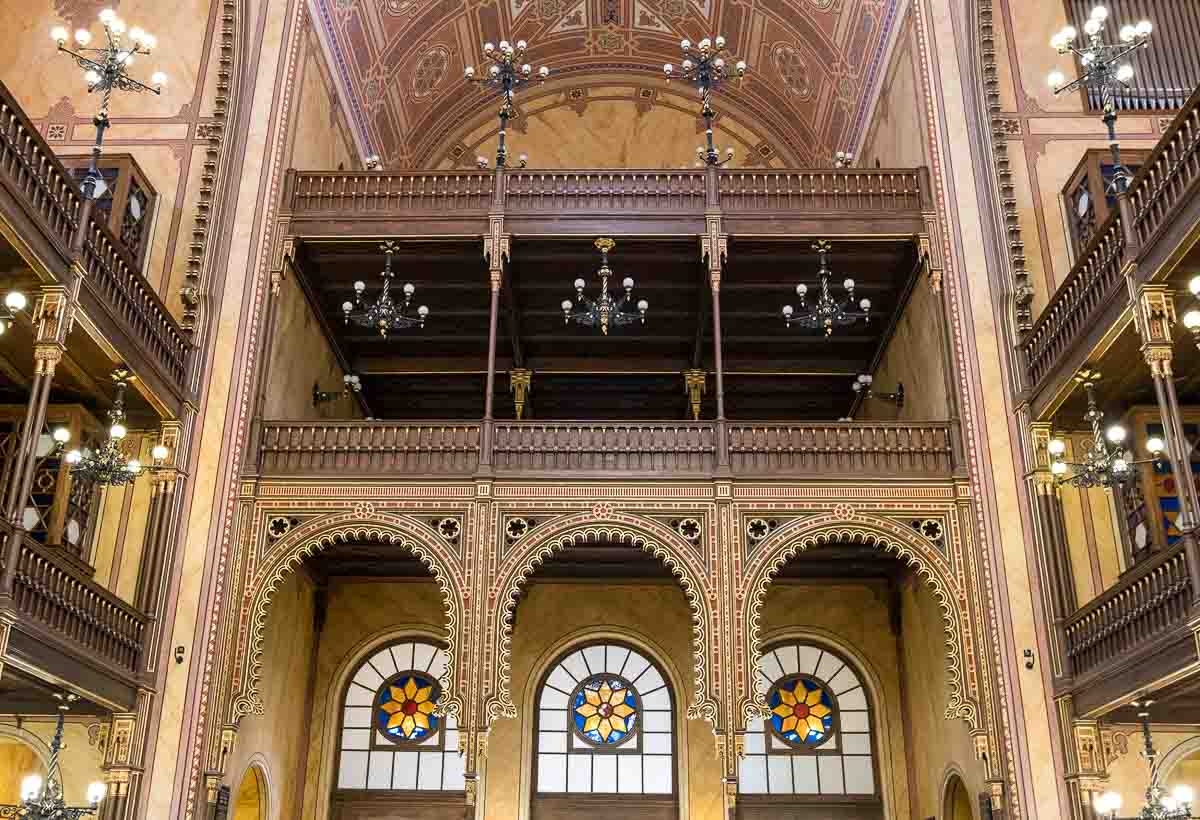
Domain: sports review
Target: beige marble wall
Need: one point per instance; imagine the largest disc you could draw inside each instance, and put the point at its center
(275, 740)
(120, 529)
(856, 618)
(320, 137)
(936, 746)
(897, 134)
(301, 355)
(554, 616)
(1093, 540)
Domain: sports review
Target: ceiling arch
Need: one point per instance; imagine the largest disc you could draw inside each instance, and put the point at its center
(815, 66)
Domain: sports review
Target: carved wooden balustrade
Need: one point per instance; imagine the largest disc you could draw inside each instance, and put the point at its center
(115, 294)
(615, 448)
(1149, 605)
(878, 201)
(57, 602)
(1146, 230)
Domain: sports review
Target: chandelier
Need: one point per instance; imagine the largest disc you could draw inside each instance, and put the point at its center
(43, 800)
(826, 311)
(1105, 463)
(107, 464)
(1104, 71)
(605, 310)
(705, 67)
(505, 73)
(1159, 805)
(385, 313)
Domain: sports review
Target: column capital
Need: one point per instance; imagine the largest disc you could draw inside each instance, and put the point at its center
(1154, 318)
(53, 315)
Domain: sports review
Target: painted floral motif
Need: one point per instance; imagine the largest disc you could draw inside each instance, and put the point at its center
(802, 711)
(406, 708)
(605, 710)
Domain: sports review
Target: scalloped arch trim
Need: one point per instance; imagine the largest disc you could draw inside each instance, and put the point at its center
(644, 534)
(309, 539)
(886, 536)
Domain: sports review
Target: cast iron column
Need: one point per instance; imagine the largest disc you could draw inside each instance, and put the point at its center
(714, 247)
(1154, 316)
(495, 251)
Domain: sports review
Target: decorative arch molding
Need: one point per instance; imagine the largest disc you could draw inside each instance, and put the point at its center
(284, 556)
(258, 768)
(888, 536)
(650, 536)
(1179, 752)
(951, 776)
(28, 738)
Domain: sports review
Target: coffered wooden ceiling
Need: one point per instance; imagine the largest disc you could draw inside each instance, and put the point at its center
(815, 66)
(772, 371)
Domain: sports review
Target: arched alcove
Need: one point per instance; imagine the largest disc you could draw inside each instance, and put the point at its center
(19, 756)
(250, 802)
(957, 804)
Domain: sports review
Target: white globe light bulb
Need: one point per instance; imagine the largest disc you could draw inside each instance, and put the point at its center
(1120, 465)
(579, 283)
(719, 42)
(15, 300)
(158, 78)
(543, 72)
(1099, 13)
(1055, 79)
(685, 44)
(628, 283)
(1058, 467)
(107, 16)
(741, 66)
(74, 457)
(469, 72)
(91, 77)
(149, 42)
(856, 387)
(422, 311)
(117, 431)
(134, 466)
(1116, 434)
(83, 36)
(504, 45)
(117, 26)
(687, 65)
(1191, 319)
(788, 310)
(1128, 33)
(409, 289)
(521, 45)
(668, 69)
(643, 305)
(360, 286)
(719, 63)
(347, 306)
(1056, 447)
(801, 289)
(1155, 445)
(62, 435)
(566, 304)
(96, 792)
(848, 284)
(136, 34)
(160, 452)
(865, 305)
(1194, 286)
(705, 44)
(494, 71)
(1092, 27)
(1125, 73)
(488, 48)
(527, 69)
(1144, 27)
(1069, 33)
(31, 787)
(1183, 793)
(59, 34)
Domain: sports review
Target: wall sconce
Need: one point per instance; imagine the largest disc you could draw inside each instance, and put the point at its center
(863, 385)
(351, 384)
(14, 303)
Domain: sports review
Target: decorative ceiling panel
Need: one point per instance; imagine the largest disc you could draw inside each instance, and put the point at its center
(814, 64)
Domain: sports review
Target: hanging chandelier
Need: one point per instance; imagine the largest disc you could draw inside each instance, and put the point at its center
(605, 310)
(505, 74)
(43, 799)
(1105, 463)
(107, 464)
(826, 312)
(385, 313)
(1159, 805)
(704, 66)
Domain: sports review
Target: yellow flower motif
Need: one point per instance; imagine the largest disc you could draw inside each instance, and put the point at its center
(605, 711)
(410, 708)
(801, 711)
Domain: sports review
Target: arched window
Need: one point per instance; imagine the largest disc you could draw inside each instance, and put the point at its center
(605, 724)
(819, 738)
(391, 738)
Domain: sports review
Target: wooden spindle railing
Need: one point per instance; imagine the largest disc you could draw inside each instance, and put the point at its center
(600, 191)
(849, 189)
(38, 180)
(1150, 600)
(353, 448)
(619, 447)
(855, 448)
(379, 192)
(51, 594)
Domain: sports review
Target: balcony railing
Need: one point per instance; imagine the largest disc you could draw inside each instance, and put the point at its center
(346, 201)
(53, 599)
(882, 450)
(49, 195)
(1151, 601)
(1168, 179)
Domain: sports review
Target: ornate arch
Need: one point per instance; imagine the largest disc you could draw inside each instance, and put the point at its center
(883, 534)
(680, 557)
(289, 552)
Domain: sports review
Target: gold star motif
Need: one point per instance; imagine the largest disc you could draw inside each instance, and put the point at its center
(606, 711)
(410, 707)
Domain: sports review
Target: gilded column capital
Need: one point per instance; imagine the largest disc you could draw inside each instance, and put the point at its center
(53, 315)
(714, 248)
(1154, 317)
(496, 246)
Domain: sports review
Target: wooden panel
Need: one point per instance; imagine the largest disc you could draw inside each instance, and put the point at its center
(379, 805)
(603, 807)
(772, 807)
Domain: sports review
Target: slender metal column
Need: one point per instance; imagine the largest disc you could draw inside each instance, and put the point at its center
(495, 250)
(714, 247)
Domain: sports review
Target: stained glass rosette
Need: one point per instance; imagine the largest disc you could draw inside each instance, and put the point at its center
(802, 711)
(605, 710)
(404, 710)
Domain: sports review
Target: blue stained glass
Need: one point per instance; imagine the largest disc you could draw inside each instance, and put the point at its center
(405, 708)
(802, 711)
(605, 710)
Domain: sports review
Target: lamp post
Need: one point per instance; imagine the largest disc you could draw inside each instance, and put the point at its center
(43, 799)
(506, 73)
(106, 69)
(706, 68)
(1104, 69)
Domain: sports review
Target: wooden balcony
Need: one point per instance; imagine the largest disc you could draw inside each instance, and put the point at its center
(1152, 232)
(882, 202)
(587, 450)
(1135, 635)
(71, 627)
(41, 201)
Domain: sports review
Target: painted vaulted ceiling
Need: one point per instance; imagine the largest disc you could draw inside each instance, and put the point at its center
(815, 67)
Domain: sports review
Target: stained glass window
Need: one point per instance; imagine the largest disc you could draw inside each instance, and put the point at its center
(605, 724)
(818, 739)
(392, 737)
